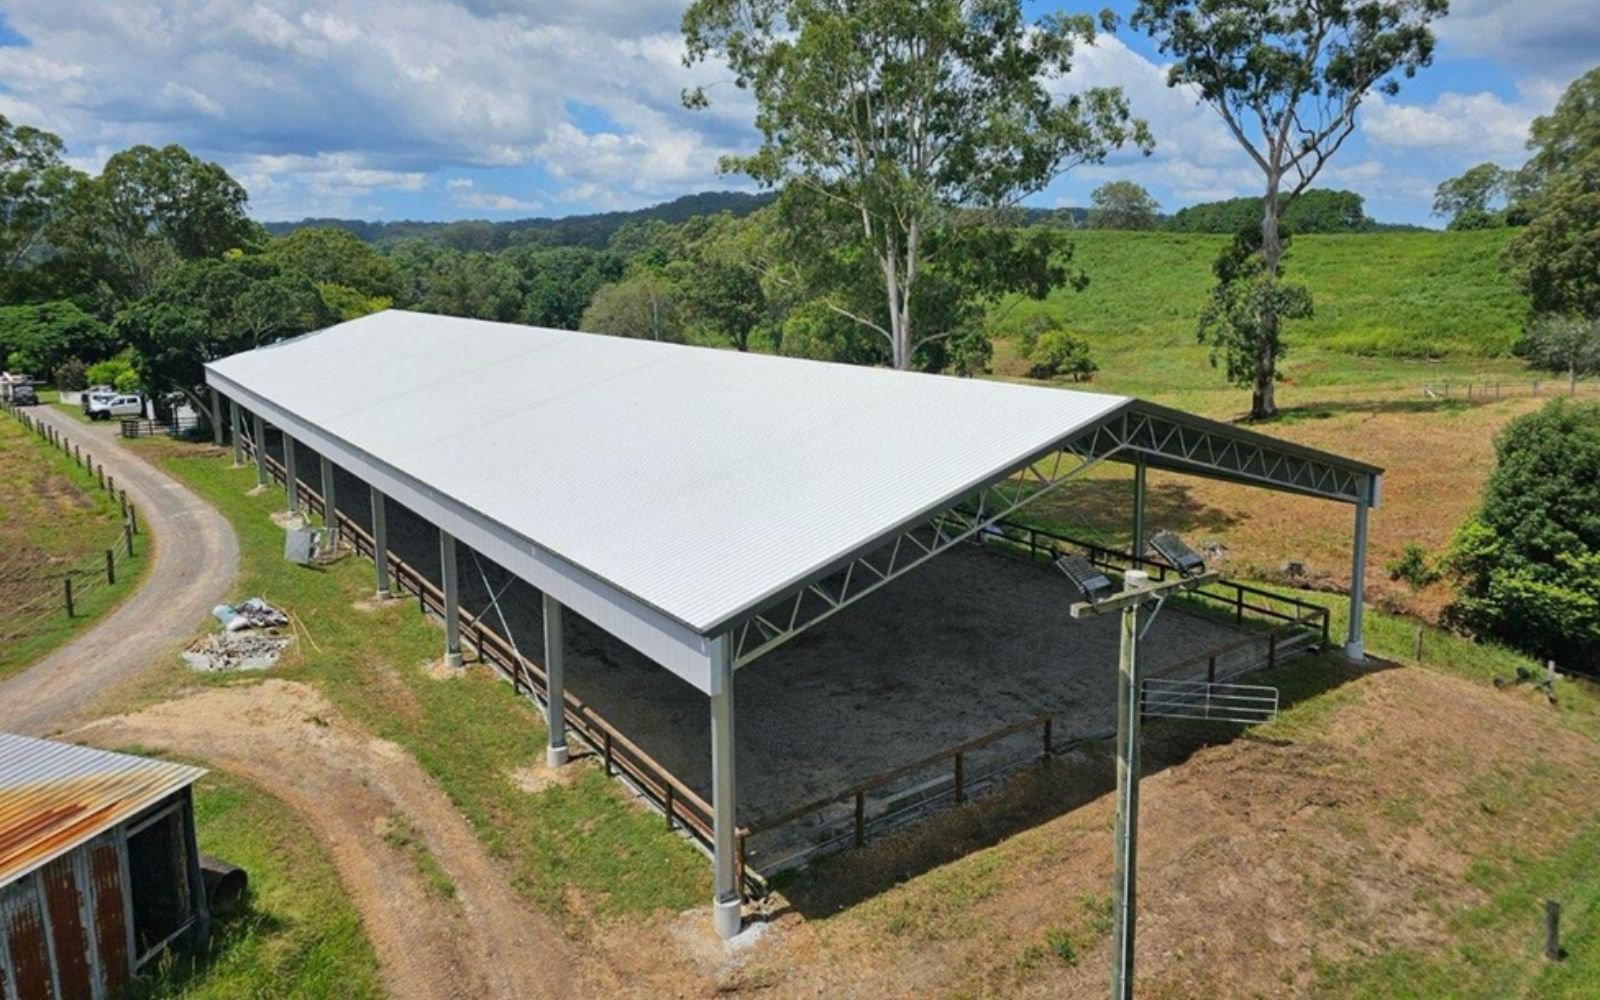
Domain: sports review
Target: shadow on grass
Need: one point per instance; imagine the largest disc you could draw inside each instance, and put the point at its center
(1105, 508)
(1036, 795)
(1323, 411)
(176, 970)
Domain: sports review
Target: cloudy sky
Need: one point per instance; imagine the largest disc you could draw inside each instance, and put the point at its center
(441, 109)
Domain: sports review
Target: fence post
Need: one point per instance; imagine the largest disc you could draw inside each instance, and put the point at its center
(861, 818)
(1552, 930)
(669, 805)
(1047, 738)
(1238, 611)
(111, 566)
(1416, 645)
(122, 498)
(1211, 669)
(961, 791)
(133, 518)
(608, 747)
(127, 537)
(66, 585)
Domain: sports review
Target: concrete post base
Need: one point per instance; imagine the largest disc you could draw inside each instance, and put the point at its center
(727, 916)
(452, 659)
(556, 756)
(1355, 652)
(382, 595)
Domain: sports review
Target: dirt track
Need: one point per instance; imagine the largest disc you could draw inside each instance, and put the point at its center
(196, 557)
(350, 786)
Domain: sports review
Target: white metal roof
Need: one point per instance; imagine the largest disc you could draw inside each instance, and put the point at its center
(56, 796)
(699, 481)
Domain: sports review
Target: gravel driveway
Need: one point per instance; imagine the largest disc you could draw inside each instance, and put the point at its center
(196, 558)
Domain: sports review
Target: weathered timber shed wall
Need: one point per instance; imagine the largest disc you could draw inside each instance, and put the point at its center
(99, 868)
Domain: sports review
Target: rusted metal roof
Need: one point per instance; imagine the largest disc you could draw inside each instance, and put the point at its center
(55, 796)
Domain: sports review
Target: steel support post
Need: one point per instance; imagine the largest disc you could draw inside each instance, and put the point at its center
(291, 474)
(330, 504)
(1138, 508)
(261, 450)
(380, 542)
(555, 657)
(725, 904)
(216, 418)
(1125, 849)
(1354, 648)
(452, 599)
(238, 432)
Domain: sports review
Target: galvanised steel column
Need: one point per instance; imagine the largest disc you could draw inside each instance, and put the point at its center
(1354, 649)
(452, 599)
(555, 655)
(291, 474)
(238, 432)
(725, 904)
(1125, 847)
(380, 542)
(260, 450)
(1138, 508)
(330, 504)
(216, 418)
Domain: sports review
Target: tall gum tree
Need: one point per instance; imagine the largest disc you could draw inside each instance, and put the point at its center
(1287, 77)
(905, 128)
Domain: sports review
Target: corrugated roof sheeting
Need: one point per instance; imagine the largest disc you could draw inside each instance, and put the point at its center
(699, 482)
(56, 796)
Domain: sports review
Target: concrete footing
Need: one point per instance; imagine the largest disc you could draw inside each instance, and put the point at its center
(556, 756)
(452, 659)
(728, 917)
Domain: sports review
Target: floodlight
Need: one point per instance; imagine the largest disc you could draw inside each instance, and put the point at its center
(1176, 554)
(1096, 586)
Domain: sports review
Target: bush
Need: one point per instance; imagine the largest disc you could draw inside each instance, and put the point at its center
(1413, 567)
(1527, 564)
(107, 372)
(71, 376)
(1057, 352)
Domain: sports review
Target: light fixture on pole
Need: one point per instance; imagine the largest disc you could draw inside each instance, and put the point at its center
(1137, 590)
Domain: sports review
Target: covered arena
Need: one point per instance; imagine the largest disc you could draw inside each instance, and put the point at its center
(649, 536)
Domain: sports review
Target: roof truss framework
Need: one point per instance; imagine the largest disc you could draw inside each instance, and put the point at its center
(765, 630)
(1165, 438)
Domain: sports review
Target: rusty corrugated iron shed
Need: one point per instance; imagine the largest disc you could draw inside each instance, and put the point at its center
(55, 796)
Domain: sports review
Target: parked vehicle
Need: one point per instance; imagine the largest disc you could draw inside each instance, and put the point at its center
(106, 407)
(23, 395)
(96, 395)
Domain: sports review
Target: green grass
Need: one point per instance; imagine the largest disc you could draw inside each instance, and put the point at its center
(297, 936)
(582, 838)
(1381, 299)
(54, 519)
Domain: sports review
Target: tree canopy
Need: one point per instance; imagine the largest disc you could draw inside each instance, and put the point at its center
(33, 178)
(1527, 564)
(1287, 78)
(900, 128)
(1123, 205)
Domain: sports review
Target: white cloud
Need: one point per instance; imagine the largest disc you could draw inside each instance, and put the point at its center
(322, 184)
(1556, 39)
(458, 183)
(490, 202)
(1482, 126)
(399, 87)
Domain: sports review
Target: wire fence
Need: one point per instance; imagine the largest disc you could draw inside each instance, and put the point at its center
(34, 597)
(1475, 389)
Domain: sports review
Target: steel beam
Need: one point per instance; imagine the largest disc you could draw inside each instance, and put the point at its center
(330, 504)
(380, 542)
(555, 656)
(1354, 648)
(216, 418)
(1139, 466)
(725, 904)
(291, 474)
(261, 450)
(238, 432)
(452, 599)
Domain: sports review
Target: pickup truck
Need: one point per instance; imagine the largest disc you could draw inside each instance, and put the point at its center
(102, 406)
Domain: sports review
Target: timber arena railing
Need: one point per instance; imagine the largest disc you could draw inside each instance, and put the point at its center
(684, 809)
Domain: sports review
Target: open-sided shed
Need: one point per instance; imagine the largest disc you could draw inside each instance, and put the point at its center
(99, 869)
(705, 507)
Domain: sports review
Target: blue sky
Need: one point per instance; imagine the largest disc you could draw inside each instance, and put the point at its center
(444, 109)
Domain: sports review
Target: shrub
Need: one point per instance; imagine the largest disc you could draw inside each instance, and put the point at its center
(1057, 352)
(1527, 564)
(1413, 566)
(70, 375)
(107, 372)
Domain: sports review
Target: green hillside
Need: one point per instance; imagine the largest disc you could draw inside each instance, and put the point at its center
(1380, 295)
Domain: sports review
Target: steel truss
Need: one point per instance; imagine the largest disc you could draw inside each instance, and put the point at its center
(765, 630)
(1219, 452)
(1163, 438)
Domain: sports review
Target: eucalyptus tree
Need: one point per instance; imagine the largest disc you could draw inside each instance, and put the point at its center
(899, 128)
(33, 179)
(1287, 78)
